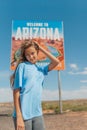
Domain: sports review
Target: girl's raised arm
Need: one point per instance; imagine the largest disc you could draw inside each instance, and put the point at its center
(54, 60)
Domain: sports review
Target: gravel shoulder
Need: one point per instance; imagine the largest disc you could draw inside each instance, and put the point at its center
(65, 121)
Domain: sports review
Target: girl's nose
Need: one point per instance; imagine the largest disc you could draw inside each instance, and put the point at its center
(31, 56)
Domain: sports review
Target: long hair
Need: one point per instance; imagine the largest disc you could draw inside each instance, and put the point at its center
(26, 44)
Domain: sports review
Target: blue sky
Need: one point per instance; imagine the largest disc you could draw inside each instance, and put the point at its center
(73, 13)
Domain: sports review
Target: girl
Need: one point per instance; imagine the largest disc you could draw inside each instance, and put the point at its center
(27, 87)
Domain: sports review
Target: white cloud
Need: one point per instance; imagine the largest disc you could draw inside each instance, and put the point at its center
(72, 73)
(48, 95)
(75, 94)
(84, 72)
(74, 70)
(85, 68)
(4, 74)
(83, 87)
(6, 95)
(83, 81)
(66, 94)
(74, 66)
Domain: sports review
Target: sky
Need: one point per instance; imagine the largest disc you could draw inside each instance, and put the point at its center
(73, 13)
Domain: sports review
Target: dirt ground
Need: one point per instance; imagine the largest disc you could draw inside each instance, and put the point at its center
(65, 121)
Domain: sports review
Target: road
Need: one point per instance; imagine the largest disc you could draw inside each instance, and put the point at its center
(65, 121)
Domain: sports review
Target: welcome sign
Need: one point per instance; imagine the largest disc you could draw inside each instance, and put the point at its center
(49, 34)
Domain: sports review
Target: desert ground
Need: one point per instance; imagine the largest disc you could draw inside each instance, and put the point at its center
(66, 121)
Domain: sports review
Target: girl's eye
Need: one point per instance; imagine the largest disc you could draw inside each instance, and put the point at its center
(32, 53)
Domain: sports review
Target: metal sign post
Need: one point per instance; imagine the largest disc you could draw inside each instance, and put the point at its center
(60, 99)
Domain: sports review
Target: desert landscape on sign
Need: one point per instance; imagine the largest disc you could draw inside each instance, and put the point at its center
(55, 44)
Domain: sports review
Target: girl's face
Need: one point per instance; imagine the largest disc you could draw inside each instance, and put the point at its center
(31, 54)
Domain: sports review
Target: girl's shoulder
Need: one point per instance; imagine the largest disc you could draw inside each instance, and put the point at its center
(21, 65)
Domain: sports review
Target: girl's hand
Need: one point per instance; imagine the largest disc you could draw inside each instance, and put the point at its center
(54, 60)
(20, 124)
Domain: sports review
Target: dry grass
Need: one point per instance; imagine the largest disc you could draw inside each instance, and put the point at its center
(51, 106)
(68, 105)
